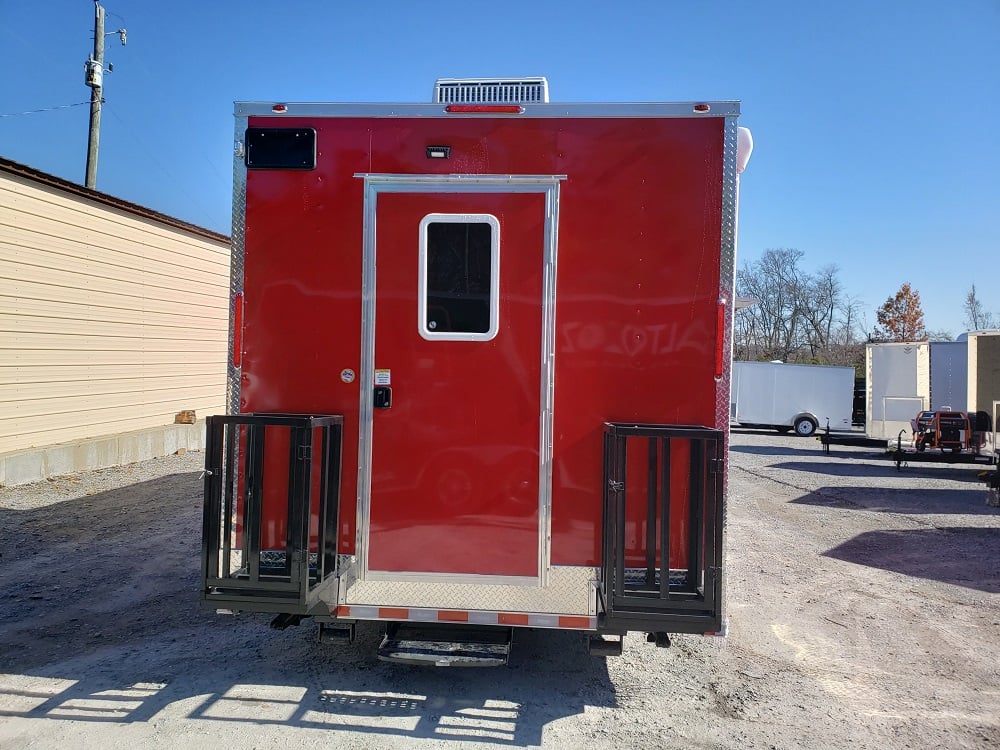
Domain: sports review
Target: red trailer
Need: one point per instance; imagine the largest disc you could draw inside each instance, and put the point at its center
(479, 369)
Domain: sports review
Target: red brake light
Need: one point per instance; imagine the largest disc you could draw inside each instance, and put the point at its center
(238, 330)
(720, 339)
(279, 109)
(702, 108)
(502, 109)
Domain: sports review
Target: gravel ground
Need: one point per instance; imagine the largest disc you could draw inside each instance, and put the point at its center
(864, 608)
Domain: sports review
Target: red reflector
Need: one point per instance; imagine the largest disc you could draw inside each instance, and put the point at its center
(446, 615)
(579, 623)
(238, 330)
(509, 618)
(720, 339)
(279, 108)
(502, 109)
(393, 613)
(701, 108)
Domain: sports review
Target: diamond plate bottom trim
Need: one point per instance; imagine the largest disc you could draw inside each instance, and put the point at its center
(571, 591)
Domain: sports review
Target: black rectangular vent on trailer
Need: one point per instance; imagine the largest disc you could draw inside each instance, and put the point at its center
(280, 148)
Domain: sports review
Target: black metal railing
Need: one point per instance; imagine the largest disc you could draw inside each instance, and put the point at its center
(640, 589)
(287, 467)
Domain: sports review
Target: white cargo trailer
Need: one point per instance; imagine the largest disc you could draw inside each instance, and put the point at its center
(949, 375)
(906, 378)
(784, 396)
(898, 386)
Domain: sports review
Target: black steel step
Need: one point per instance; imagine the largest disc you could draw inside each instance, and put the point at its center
(446, 645)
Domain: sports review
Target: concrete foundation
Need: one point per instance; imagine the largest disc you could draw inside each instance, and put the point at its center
(36, 464)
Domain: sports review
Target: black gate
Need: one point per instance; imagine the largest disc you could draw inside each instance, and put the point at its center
(246, 466)
(639, 588)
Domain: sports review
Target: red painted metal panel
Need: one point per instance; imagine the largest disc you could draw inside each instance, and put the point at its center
(455, 459)
(638, 281)
(637, 292)
(302, 286)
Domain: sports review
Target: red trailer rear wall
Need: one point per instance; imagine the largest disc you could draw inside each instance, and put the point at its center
(636, 293)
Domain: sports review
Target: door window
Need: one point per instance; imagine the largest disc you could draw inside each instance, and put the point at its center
(459, 277)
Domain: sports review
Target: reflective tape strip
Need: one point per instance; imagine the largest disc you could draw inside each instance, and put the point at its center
(575, 623)
(508, 618)
(462, 616)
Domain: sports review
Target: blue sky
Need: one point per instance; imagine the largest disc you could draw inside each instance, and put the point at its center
(874, 122)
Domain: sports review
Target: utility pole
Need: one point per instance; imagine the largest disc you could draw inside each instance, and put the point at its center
(94, 77)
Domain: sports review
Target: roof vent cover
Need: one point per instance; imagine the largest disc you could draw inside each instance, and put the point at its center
(531, 90)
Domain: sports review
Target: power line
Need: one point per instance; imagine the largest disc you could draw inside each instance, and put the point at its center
(204, 210)
(44, 109)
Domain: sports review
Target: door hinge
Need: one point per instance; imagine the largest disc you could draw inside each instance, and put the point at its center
(716, 466)
(616, 486)
(304, 453)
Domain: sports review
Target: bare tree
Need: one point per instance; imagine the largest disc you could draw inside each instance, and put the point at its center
(851, 320)
(770, 328)
(799, 316)
(976, 317)
(819, 297)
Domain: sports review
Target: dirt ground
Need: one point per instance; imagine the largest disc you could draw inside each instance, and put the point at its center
(864, 612)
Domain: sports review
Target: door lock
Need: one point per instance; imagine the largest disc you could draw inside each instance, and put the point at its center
(383, 396)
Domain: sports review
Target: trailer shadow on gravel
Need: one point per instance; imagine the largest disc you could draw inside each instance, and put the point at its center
(910, 501)
(100, 621)
(807, 447)
(877, 465)
(962, 556)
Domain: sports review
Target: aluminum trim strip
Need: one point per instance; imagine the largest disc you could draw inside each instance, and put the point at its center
(548, 370)
(367, 376)
(457, 183)
(531, 110)
(401, 183)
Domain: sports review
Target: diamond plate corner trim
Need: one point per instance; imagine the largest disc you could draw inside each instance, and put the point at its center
(727, 291)
(570, 591)
(238, 239)
(727, 266)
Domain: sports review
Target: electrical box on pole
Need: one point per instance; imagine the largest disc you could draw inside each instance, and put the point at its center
(93, 74)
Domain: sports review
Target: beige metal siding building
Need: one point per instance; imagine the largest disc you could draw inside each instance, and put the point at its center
(984, 377)
(113, 317)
